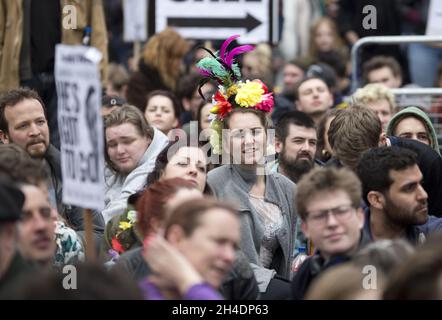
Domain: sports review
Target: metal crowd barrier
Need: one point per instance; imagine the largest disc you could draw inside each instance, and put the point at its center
(383, 40)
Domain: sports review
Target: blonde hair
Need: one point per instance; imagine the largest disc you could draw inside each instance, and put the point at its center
(263, 54)
(160, 51)
(117, 76)
(373, 92)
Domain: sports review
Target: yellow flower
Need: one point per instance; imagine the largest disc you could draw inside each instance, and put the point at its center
(249, 94)
(124, 225)
(233, 89)
(214, 109)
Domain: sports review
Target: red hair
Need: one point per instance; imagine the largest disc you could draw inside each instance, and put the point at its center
(152, 202)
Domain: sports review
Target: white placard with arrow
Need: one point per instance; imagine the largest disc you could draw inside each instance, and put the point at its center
(206, 19)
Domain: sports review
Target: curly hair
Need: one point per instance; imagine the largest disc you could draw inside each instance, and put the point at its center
(160, 51)
(374, 92)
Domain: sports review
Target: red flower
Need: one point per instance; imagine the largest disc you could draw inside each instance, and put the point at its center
(116, 245)
(224, 106)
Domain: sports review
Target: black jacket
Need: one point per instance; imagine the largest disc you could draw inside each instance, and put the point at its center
(14, 275)
(314, 265)
(240, 284)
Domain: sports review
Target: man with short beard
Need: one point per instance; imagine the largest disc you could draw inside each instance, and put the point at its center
(23, 122)
(397, 202)
(296, 140)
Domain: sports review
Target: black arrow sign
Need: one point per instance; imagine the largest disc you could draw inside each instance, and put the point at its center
(249, 22)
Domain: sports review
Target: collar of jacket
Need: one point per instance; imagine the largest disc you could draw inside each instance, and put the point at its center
(246, 178)
(52, 156)
(319, 264)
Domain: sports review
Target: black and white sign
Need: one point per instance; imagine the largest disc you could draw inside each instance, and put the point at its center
(80, 124)
(216, 19)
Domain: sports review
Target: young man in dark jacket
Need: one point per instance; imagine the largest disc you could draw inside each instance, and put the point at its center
(328, 202)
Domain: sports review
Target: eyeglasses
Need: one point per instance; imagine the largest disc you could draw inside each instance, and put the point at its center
(341, 213)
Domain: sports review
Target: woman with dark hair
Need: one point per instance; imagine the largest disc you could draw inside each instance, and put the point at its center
(175, 160)
(162, 110)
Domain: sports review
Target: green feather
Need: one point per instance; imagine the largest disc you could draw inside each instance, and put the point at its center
(236, 70)
(213, 66)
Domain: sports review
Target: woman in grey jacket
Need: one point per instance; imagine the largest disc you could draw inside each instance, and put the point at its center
(265, 201)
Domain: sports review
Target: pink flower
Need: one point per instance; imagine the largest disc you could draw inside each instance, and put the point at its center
(266, 103)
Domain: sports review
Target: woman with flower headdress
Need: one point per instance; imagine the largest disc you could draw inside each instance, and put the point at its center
(268, 219)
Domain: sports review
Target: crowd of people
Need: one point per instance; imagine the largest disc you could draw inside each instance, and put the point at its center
(231, 172)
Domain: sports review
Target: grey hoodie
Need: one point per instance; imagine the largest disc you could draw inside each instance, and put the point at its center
(419, 114)
(120, 187)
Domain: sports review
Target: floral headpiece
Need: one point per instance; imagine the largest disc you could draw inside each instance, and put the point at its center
(233, 92)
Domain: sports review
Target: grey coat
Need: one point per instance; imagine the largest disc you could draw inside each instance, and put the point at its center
(233, 183)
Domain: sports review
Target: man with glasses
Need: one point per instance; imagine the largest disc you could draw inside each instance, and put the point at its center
(328, 202)
(397, 202)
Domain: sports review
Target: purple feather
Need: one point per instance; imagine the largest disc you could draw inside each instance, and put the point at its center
(238, 50)
(226, 43)
(204, 72)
